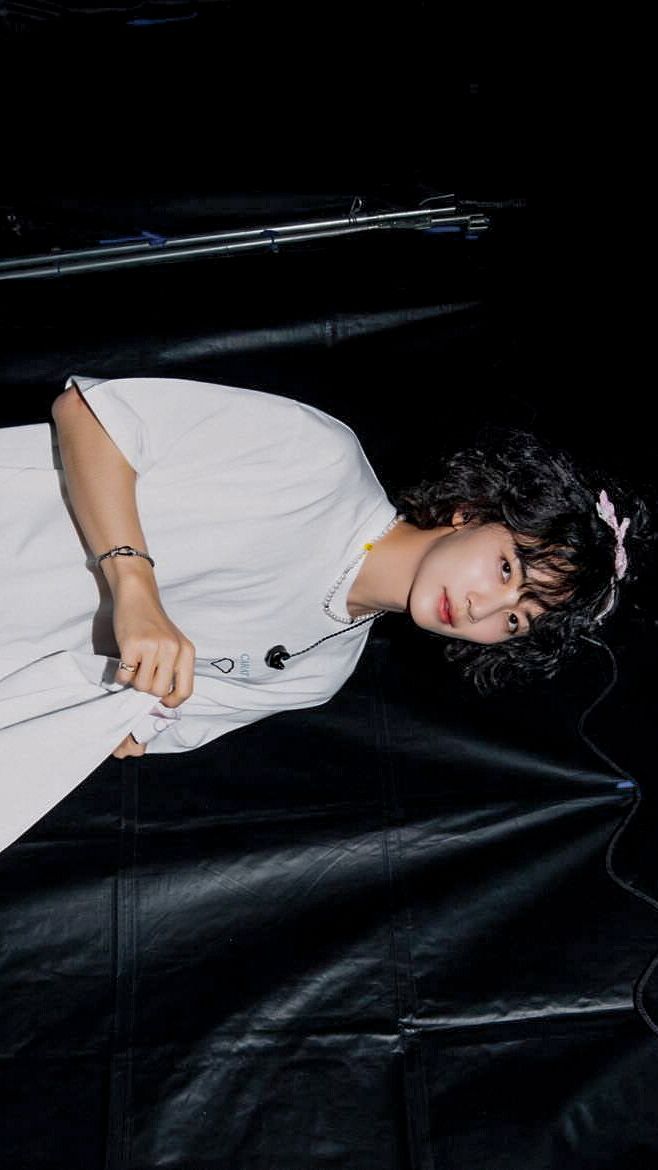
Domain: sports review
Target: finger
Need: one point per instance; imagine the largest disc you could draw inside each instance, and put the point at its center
(181, 684)
(123, 673)
(129, 747)
(173, 697)
(164, 683)
(143, 678)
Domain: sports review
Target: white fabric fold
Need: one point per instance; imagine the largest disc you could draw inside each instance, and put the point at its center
(58, 708)
(154, 723)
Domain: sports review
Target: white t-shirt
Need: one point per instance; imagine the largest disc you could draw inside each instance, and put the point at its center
(252, 506)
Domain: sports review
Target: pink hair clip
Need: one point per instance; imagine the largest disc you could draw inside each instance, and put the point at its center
(606, 511)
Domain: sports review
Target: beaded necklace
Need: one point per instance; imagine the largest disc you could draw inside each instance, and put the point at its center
(347, 621)
(278, 655)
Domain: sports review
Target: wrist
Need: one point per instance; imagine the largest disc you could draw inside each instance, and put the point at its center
(126, 572)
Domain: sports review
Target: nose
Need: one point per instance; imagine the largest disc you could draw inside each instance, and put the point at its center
(480, 606)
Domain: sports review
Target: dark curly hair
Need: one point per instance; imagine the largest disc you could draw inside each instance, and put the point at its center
(549, 506)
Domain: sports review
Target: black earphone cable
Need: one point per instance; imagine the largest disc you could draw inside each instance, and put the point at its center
(277, 656)
(627, 782)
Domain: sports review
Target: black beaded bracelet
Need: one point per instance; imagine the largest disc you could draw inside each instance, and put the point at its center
(124, 550)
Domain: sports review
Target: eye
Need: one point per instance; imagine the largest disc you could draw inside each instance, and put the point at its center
(506, 569)
(513, 623)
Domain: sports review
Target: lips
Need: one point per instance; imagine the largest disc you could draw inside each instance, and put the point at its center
(445, 613)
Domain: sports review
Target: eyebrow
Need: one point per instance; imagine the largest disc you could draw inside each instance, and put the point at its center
(524, 572)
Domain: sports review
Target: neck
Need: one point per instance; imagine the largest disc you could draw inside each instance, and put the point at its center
(387, 573)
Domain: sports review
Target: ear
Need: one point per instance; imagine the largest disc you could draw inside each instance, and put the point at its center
(460, 517)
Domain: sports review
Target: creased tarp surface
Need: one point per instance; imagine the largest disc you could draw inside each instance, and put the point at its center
(378, 935)
(343, 938)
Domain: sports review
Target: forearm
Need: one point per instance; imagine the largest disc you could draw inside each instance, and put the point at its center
(101, 488)
(155, 656)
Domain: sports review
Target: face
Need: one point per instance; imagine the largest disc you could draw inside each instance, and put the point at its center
(468, 586)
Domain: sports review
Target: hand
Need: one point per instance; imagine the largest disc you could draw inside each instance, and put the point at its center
(148, 639)
(128, 747)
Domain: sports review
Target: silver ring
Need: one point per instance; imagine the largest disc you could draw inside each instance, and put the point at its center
(124, 666)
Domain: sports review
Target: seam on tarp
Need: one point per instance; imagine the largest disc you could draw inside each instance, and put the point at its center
(413, 1073)
(120, 1056)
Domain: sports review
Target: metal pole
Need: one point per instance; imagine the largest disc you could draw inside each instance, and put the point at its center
(161, 249)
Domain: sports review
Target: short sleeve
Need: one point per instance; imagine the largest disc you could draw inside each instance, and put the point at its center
(148, 418)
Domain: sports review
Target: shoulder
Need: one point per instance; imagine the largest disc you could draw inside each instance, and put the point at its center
(327, 436)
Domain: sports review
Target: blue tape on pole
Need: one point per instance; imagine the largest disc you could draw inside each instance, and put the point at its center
(443, 228)
(151, 238)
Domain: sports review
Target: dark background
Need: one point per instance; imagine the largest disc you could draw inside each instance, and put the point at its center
(381, 933)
